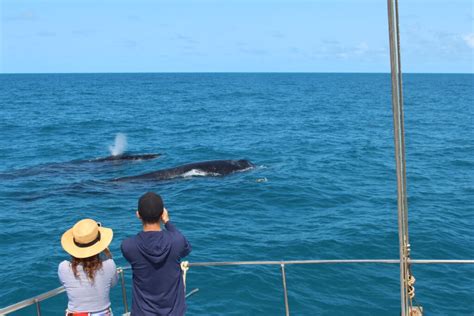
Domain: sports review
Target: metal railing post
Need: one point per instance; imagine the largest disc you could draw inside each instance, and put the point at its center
(124, 291)
(38, 307)
(285, 292)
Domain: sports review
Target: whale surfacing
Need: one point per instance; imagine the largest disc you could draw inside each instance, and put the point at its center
(205, 168)
(126, 157)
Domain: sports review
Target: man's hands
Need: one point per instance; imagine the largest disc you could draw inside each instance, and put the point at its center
(165, 217)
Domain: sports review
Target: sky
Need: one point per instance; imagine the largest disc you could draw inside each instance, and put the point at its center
(76, 36)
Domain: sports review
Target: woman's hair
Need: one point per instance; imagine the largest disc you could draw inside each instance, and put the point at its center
(90, 265)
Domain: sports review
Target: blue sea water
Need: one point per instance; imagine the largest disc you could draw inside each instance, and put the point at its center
(324, 186)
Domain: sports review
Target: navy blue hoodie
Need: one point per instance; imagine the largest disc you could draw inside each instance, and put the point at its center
(155, 257)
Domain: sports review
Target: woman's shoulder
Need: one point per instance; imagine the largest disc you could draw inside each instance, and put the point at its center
(64, 265)
(109, 263)
(64, 268)
(109, 267)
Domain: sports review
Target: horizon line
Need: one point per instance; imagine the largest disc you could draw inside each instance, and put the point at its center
(228, 72)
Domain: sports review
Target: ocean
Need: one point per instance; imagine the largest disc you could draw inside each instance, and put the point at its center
(324, 185)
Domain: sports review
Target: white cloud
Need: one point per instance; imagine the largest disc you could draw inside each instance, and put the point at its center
(358, 51)
(46, 34)
(23, 16)
(469, 39)
(361, 48)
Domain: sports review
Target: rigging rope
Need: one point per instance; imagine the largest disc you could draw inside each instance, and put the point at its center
(407, 290)
(184, 268)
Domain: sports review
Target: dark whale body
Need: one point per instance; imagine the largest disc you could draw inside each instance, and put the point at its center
(126, 157)
(208, 168)
(82, 165)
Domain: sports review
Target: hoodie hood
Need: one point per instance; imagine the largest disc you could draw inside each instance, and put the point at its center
(154, 246)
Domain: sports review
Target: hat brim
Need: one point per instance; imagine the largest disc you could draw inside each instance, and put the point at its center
(67, 242)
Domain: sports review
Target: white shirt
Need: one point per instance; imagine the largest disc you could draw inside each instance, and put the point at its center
(83, 295)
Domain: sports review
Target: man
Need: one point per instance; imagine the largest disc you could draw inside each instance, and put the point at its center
(155, 255)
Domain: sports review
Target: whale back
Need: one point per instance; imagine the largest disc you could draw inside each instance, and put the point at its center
(126, 157)
(217, 167)
(204, 168)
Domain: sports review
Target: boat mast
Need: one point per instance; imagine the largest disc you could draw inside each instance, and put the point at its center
(399, 137)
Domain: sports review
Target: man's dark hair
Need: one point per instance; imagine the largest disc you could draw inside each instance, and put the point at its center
(150, 207)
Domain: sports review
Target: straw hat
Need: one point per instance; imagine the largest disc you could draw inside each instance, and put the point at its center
(86, 239)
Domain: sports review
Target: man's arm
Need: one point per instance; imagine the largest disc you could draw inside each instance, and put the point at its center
(186, 248)
(184, 245)
(124, 250)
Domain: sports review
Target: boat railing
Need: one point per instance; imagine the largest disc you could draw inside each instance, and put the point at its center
(44, 296)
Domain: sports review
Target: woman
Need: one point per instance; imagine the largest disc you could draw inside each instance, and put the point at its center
(91, 272)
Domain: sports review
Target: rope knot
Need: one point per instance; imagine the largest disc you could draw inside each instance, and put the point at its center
(185, 268)
(411, 286)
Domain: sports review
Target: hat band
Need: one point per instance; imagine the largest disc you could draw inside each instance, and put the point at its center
(80, 245)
